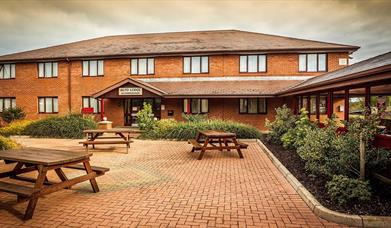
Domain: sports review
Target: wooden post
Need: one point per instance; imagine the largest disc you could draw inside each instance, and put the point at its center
(102, 108)
(330, 104)
(346, 108)
(317, 109)
(362, 157)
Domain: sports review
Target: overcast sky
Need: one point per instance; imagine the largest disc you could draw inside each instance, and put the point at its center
(30, 24)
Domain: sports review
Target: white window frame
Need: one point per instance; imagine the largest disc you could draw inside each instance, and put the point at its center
(54, 105)
(303, 67)
(246, 102)
(11, 67)
(202, 65)
(99, 68)
(12, 102)
(42, 70)
(260, 63)
(186, 101)
(89, 104)
(149, 66)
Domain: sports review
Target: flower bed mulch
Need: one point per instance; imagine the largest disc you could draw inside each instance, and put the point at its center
(380, 204)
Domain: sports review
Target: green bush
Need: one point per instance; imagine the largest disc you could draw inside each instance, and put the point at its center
(69, 126)
(171, 129)
(11, 114)
(294, 137)
(7, 143)
(145, 118)
(15, 127)
(195, 117)
(284, 120)
(343, 189)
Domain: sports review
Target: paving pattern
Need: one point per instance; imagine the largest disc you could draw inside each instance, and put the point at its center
(162, 184)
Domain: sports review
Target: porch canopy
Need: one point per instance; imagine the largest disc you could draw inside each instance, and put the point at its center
(362, 79)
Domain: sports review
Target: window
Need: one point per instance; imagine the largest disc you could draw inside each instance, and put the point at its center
(195, 106)
(7, 71)
(7, 102)
(90, 102)
(93, 68)
(196, 65)
(312, 104)
(312, 62)
(142, 66)
(252, 63)
(48, 104)
(252, 106)
(48, 70)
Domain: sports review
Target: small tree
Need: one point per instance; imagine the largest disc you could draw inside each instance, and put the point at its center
(11, 114)
(284, 121)
(145, 118)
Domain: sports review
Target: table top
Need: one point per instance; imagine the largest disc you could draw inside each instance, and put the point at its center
(217, 134)
(39, 156)
(112, 130)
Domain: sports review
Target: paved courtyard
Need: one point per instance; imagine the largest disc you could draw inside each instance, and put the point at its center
(162, 184)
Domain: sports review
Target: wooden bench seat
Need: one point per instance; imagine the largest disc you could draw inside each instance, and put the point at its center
(243, 145)
(98, 170)
(16, 189)
(97, 142)
(196, 145)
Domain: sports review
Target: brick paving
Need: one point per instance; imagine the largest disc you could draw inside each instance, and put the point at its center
(162, 184)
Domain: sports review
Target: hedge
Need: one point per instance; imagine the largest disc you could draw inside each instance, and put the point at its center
(15, 128)
(7, 143)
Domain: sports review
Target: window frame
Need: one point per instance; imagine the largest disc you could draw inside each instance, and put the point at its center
(89, 104)
(3, 104)
(44, 69)
(45, 98)
(12, 66)
(257, 61)
(89, 66)
(317, 62)
(191, 64)
(190, 100)
(258, 111)
(146, 66)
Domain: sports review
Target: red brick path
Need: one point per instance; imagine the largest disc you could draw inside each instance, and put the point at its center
(162, 184)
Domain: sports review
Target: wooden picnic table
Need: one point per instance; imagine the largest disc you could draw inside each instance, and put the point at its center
(206, 140)
(43, 160)
(94, 136)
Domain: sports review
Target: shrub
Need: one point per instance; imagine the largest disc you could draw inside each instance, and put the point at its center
(343, 189)
(195, 117)
(284, 120)
(7, 143)
(294, 137)
(171, 129)
(11, 114)
(145, 118)
(15, 128)
(69, 126)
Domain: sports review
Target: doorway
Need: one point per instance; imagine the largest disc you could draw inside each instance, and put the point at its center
(134, 105)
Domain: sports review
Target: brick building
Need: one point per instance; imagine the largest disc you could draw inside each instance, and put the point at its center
(226, 74)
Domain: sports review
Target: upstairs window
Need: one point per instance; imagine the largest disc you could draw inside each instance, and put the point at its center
(252, 106)
(93, 68)
(7, 71)
(195, 106)
(7, 102)
(312, 62)
(48, 70)
(48, 104)
(252, 63)
(196, 65)
(142, 66)
(90, 102)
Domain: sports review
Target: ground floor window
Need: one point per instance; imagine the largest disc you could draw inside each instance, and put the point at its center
(90, 102)
(48, 104)
(252, 106)
(195, 106)
(7, 102)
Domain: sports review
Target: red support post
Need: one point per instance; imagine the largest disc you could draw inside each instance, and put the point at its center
(346, 105)
(102, 108)
(296, 105)
(317, 103)
(330, 104)
(368, 98)
(309, 106)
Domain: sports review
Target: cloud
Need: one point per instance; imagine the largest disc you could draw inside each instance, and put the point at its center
(29, 24)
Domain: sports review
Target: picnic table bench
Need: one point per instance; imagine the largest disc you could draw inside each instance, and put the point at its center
(96, 137)
(206, 140)
(27, 160)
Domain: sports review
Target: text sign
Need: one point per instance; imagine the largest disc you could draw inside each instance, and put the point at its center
(136, 91)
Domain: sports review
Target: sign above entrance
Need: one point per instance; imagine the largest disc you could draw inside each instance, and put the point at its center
(135, 91)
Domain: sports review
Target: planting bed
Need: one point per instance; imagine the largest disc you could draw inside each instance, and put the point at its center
(380, 203)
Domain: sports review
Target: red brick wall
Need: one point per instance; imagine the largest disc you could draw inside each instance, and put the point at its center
(27, 87)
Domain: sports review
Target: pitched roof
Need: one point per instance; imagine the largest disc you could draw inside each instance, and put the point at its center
(216, 41)
(363, 68)
(219, 87)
